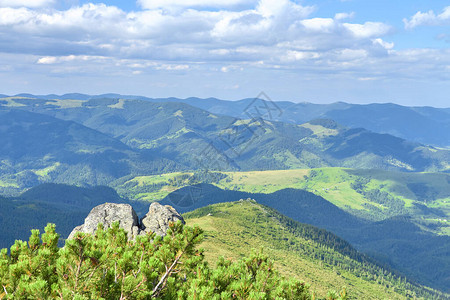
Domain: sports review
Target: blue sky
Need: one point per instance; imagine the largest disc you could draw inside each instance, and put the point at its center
(317, 51)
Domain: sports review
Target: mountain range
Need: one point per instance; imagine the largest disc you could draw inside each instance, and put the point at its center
(424, 124)
(376, 175)
(97, 141)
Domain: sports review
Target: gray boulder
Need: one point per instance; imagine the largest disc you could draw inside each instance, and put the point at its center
(158, 217)
(107, 214)
(156, 220)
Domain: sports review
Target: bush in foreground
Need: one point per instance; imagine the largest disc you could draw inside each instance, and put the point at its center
(108, 266)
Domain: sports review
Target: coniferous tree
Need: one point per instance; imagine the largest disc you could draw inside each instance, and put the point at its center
(108, 266)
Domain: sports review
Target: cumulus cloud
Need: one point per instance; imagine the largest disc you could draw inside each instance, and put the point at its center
(254, 34)
(342, 16)
(428, 18)
(276, 34)
(324, 25)
(172, 67)
(155, 4)
(384, 44)
(26, 3)
(368, 29)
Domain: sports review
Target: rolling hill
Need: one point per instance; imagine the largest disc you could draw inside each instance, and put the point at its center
(193, 155)
(302, 251)
(370, 194)
(196, 139)
(426, 125)
(37, 148)
(396, 241)
(418, 254)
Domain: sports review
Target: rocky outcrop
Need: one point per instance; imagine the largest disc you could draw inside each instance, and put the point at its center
(158, 217)
(156, 220)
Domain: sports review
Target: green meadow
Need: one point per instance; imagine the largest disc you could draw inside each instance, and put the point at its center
(371, 194)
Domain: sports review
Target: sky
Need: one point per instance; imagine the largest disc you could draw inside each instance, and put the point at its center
(323, 51)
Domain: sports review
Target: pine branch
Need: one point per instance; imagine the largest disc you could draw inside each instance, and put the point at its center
(162, 283)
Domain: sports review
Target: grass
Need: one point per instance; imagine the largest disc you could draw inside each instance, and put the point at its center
(119, 105)
(232, 230)
(44, 173)
(149, 144)
(5, 184)
(65, 103)
(11, 103)
(153, 187)
(320, 131)
(333, 184)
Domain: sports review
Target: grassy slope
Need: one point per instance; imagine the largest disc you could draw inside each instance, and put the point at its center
(152, 187)
(234, 229)
(425, 195)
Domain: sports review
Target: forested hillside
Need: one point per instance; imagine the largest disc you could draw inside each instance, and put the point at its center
(385, 195)
(299, 250)
(108, 139)
(63, 205)
(105, 264)
(370, 194)
(426, 125)
(398, 241)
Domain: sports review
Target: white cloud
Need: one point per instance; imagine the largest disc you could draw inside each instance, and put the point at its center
(367, 78)
(50, 60)
(342, 16)
(11, 16)
(26, 3)
(47, 60)
(384, 44)
(155, 4)
(269, 34)
(300, 55)
(247, 35)
(428, 18)
(368, 29)
(324, 25)
(267, 23)
(226, 69)
(283, 8)
(172, 67)
(351, 54)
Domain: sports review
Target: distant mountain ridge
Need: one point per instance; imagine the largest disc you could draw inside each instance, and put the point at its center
(97, 141)
(427, 125)
(37, 148)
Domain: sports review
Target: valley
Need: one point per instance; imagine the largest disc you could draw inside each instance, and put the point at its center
(426, 196)
(216, 150)
(386, 197)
